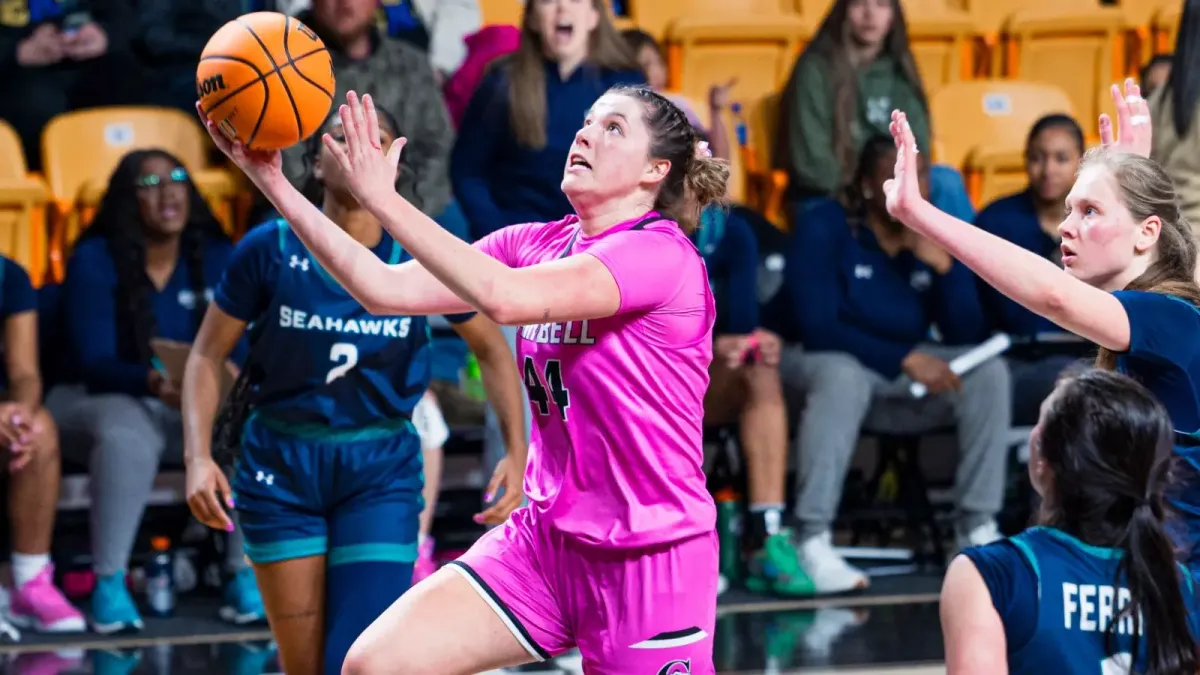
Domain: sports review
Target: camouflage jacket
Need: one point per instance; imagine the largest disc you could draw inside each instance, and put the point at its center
(400, 79)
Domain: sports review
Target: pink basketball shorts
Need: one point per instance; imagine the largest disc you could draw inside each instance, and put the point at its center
(643, 612)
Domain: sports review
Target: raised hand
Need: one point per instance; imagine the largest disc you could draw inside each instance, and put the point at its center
(260, 166)
(1133, 122)
(370, 173)
(903, 190)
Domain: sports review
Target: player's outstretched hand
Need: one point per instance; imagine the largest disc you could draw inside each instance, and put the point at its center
(903, 190)
(509, 478)
(208, 493)
(370, 172)
(1133, 121)
(260, 166)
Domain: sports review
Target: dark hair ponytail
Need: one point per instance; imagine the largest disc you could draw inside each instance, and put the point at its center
(1108, 443)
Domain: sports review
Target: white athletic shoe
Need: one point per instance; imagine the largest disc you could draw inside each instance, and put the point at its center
(722, 585)
(829, 571)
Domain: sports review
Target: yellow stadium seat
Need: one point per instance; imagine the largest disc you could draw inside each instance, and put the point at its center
(81, 149)
(995, 171)
(765, 185)
(502, 12)
(812, 12)
(996, 114)
(656, 16)
(23, 200)
(757, 50)
(1080, 51)
(940, 38)
(1166, 27)
(1139, 39)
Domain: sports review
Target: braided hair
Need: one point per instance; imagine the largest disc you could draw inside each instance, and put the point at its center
(119, 223)
(694, 180)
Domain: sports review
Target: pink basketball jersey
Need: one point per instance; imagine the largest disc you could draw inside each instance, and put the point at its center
(618, 403)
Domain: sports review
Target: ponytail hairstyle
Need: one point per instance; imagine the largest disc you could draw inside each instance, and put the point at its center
(1147, 191)
(1107, 443)
(695, 179)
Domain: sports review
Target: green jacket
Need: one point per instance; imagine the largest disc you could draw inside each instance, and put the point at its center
(808, 156)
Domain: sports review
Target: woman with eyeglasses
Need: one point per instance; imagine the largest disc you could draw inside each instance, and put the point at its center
(145, 268)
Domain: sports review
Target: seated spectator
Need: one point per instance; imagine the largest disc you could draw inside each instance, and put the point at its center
(59, 57)
(30, 440)
(399, 78)
(144, 269)
(437, 27)
(1030, 219)
(1155, 74)
(514, 139)
(170, 38)
(857, 69)
(745, 389)
(483, 48)
(866, 294)
(650, 57)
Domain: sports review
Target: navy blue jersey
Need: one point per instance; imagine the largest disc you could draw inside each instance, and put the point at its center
(1164, 355)
(1057, 598)
(320, 359)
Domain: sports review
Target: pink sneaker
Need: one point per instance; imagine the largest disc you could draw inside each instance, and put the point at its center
(42, 607)
(46, 663)
(426, 564)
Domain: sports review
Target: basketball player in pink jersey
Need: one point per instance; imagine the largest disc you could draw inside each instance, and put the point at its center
(616, 552)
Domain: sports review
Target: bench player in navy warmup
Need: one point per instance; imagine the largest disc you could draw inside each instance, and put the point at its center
(328, 478)
(1126, 283)
(1073, 594)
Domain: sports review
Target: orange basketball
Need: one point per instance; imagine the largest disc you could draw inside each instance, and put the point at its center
(265, 79)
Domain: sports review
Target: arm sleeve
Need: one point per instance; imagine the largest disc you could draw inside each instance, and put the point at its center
(89, 297)
(1012, 584)
(1156, 321)
(471, 158)
(813, 286)
(16, 293)
(957, 309)
(809, 123)
(646, 272)
(740, 252)
(249, 279)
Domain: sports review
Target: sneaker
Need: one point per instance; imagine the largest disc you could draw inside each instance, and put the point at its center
(113, 609)
(982, 535)
(243, 603)
(426, 564)
(830, 573)
(40, 606)
(248, 658)
(776, 569)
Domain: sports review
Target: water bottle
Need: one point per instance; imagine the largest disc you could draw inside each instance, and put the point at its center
(472, 380)
(160, 584)
(739, 125)
(729, 534)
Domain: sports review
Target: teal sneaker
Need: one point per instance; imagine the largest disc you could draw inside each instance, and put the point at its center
(243, 603)
(775, 569)
(113, 609)
(115, 662)
(248, 658)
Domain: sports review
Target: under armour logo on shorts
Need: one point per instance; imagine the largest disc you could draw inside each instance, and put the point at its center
(297, 261)
(268, 478)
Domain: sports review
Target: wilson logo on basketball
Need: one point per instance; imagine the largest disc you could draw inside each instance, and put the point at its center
(209, 85)
(226, 128)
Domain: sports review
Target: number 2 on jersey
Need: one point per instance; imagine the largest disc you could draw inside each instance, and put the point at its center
(340, 351)
(547, 387)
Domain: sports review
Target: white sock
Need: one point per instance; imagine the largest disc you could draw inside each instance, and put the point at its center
(27, 566)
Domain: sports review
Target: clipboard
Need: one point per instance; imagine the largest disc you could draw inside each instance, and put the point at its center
(173, 356)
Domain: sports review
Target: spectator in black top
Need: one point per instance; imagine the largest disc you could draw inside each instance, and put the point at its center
(62, 55)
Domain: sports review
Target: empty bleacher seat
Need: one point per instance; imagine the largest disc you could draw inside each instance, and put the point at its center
(1076, 48)
(940, 39)
(23, 198)
(995, 171)
(81, 149)
(1166, 27)
(656, 16)
(993, 113)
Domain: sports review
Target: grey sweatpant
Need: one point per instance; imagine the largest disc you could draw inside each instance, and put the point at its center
(842, 397)
(122, 439)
